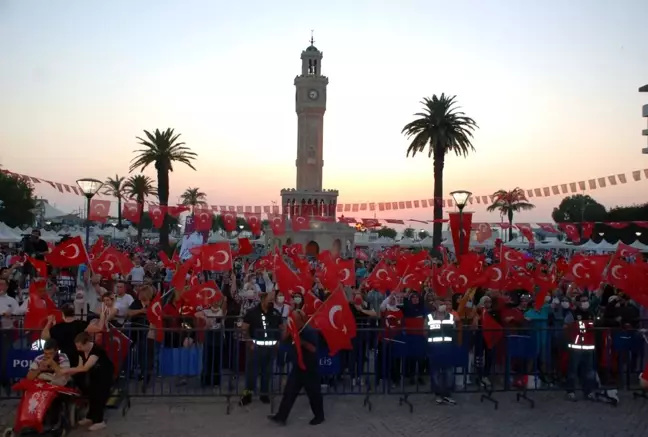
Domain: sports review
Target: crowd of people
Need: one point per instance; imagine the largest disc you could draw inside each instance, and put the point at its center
(572, 324)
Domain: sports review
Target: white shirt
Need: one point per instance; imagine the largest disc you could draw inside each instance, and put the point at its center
(137, 275)
(8, 305)
(213, 318)
(121, 304)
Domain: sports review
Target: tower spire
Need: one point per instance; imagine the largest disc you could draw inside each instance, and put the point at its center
(312, 41)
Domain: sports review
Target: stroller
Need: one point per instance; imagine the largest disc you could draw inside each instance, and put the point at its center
(44, 408)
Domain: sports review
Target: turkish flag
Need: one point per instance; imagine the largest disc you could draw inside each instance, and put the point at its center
(154, 316)
(245, 248)
(108, 263)
(96, 248)
(254, 222)
(457, 228)
(483, 231)
(300, 223)
(346, 271)
(117, 346)
(175, 211)
(493, 331)
(571, 230)
(99, 210)
(527, 232)
(229, 221)
(588, 228)
(311, 304)
(70, 253)
(288, 280)
(336, 322)
(39, 265)
(202, 219)
(157, 213)
(548, 227)
(294, 333)
(495, 276)
(202, 295)
(361, 254)
(623, 250)
(132, 211)
(37, 399)
(216, 257)
(370, 223)
(278, 225)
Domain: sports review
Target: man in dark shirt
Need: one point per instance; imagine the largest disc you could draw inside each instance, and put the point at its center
(261, 328)
(307, 378)
(34, 246)
(65, 332)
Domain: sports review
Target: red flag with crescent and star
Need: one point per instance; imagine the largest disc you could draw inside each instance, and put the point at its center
(216, 257)
(254, 222)
(335, 321)
(278, 225)
(132, 211)
(229, 221)
(457, 228)
(157, 214)
(294, 333)
(69, 253)
(99, 210)
(154, 316)
(202, 219)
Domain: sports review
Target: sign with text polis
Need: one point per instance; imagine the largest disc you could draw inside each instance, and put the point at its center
(19, 362)
(328, 366)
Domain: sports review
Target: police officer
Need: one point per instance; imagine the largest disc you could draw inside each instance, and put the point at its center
(307, 378)
(261, 329)
(581, 344)
(441, 326)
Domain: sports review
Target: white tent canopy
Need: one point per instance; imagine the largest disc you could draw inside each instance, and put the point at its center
(604, 246)
(8, 235)
(407, 242)
(590, 245)
(638, 245)
(427, 242)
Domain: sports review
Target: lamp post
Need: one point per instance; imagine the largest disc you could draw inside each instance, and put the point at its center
(89, 187)
(461, 198)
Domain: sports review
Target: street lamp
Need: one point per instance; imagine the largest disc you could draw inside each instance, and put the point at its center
(89, 187)
(461, 198)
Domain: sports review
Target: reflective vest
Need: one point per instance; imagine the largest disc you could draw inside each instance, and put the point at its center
(581, 335)
(441, 331)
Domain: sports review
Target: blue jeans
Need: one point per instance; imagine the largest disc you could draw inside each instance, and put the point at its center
(581, 364)
(443, 379)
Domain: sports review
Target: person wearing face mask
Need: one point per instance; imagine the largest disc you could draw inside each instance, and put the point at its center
(213, 344)
(581, 344)
(281, 306)
(441, 333)
(298, 301)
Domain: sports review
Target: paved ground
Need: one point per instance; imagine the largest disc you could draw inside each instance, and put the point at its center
(551, 417)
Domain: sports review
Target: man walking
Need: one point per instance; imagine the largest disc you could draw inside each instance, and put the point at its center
(308, 377)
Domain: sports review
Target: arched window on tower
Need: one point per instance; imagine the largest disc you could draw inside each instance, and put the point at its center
(315, 68)
(311, 66)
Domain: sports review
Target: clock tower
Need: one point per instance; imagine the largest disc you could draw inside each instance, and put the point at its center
(310, 104)
(308, 200)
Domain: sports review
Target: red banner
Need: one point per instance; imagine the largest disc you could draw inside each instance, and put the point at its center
(457, 228)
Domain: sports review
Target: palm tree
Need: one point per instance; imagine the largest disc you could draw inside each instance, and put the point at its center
(162, 149)
(508, 203)
(115, 187)
(443, 129)
(138, 187)
(193, 197)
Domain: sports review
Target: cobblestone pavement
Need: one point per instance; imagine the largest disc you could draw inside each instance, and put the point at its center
(551, 417)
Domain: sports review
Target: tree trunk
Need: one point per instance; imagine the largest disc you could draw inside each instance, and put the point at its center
(510, 220)
(140, 225)
(163, 197)
(119, 211)
(437, 229)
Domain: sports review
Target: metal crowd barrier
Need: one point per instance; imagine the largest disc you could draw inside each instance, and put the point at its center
(191, 362)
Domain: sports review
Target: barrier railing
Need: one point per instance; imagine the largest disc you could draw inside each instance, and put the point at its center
(187, 362)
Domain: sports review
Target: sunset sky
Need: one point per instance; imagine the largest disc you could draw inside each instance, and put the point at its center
(551, 84)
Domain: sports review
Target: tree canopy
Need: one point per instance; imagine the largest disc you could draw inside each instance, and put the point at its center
(387, 232)
(579, 208)
(17, 201)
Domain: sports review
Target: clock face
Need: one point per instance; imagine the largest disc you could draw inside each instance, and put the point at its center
(313, 94)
